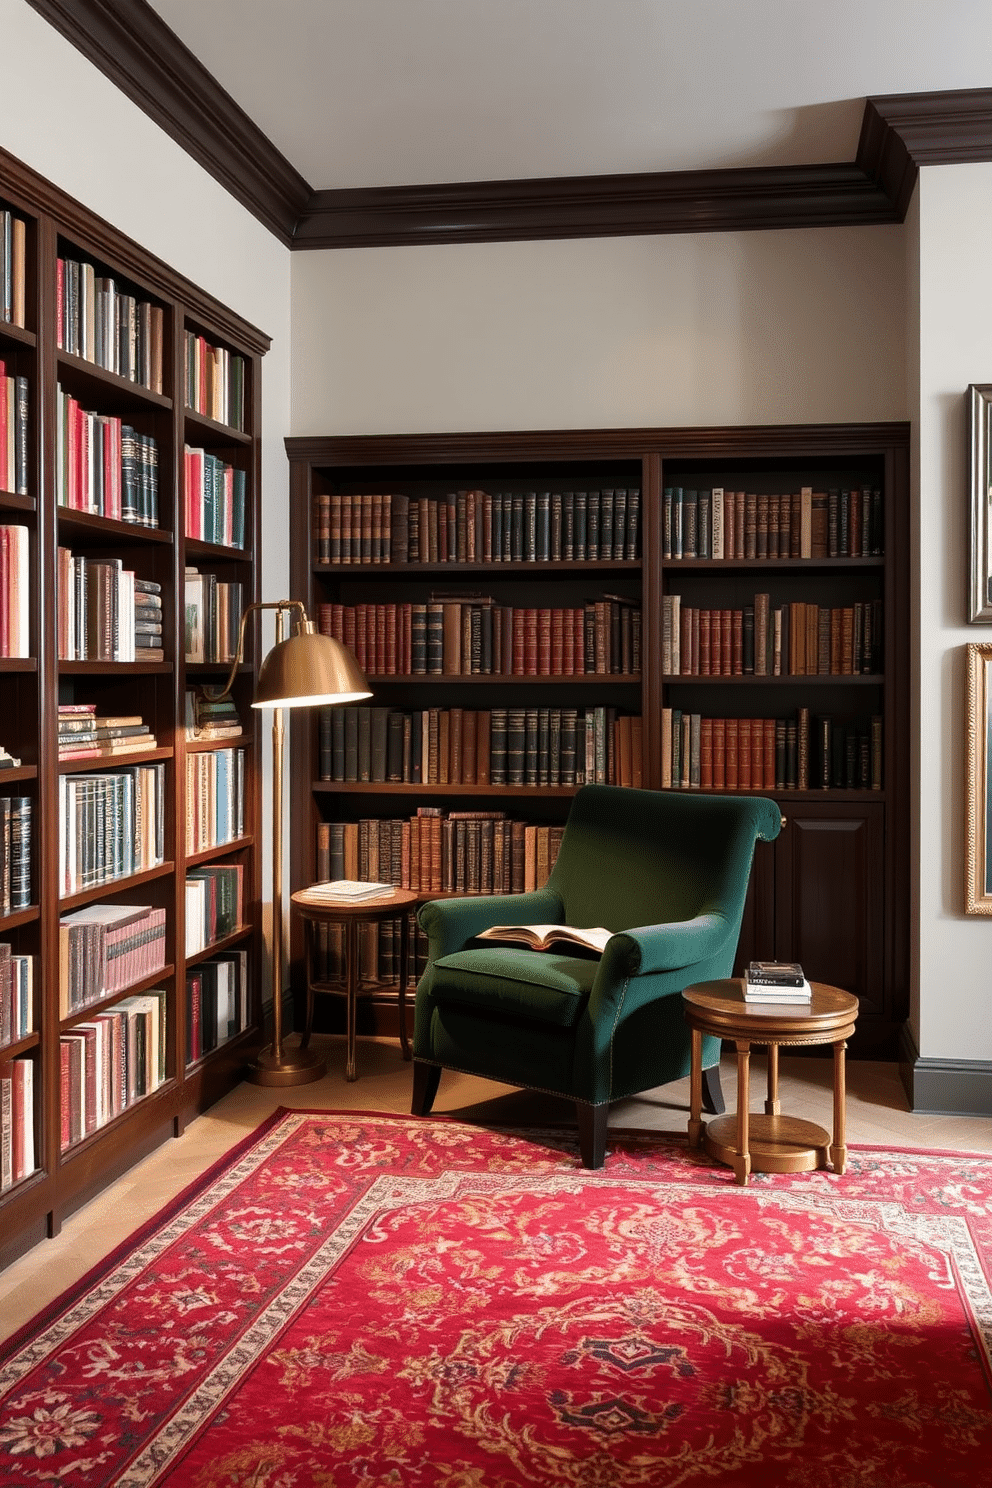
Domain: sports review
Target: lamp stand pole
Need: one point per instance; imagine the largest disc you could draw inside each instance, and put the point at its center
(275, 1065)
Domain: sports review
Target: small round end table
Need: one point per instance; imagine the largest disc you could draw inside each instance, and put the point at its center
(316, 912)
(771, 1143)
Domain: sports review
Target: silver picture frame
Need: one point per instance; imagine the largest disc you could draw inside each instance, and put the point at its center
(980, 586)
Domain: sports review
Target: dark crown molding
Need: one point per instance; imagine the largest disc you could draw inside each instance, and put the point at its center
(132, 45)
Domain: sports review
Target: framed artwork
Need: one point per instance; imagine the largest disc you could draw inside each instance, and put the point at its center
(980, 588)
(978, 892)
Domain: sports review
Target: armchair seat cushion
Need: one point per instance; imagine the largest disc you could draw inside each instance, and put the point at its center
(536, 985)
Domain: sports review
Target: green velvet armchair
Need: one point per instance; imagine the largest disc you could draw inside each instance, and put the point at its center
(667, 872)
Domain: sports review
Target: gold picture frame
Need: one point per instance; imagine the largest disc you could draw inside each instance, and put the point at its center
(978, 889)
(980, 554)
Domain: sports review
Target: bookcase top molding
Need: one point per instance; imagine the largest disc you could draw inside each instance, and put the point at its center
(738, 441)
(30, 191)
(130, 43)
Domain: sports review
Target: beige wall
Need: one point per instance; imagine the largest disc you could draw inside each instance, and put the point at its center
(105, 152)
(955, 348)
(109, 155)
(718, 328)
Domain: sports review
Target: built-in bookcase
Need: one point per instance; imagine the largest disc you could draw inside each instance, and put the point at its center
(102, 772)
(535, 610)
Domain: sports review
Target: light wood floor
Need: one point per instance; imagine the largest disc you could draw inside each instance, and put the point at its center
(877, 1114)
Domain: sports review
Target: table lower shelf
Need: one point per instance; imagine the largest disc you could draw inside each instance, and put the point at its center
(776, 1144)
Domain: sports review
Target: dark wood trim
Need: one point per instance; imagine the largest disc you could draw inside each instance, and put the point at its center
(756, 441)
(594, 206)
(131, 44)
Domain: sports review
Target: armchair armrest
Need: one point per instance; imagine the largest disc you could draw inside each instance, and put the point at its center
(451, 923)
(649, 949)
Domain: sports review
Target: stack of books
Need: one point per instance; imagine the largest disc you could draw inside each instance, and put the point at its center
(777, 981)
(346, 891)
(82, 734)
(208, 718)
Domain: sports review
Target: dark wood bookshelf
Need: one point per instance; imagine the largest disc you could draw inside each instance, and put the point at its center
(833, 891)
(32, 687)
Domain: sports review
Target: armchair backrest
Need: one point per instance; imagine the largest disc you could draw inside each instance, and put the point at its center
(635, 857)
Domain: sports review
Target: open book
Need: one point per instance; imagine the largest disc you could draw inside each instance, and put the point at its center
(543, 937)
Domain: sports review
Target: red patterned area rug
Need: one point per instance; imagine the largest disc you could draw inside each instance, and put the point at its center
(372, 1300)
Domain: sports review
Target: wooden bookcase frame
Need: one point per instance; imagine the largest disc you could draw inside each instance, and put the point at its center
(30, 690)
(830, 834)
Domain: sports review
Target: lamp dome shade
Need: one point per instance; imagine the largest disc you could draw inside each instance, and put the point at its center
(309, 670)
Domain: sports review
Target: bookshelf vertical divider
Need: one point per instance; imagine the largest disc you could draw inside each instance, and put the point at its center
(99, 482)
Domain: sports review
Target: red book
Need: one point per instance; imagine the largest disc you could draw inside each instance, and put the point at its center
(768, 727)
(733, 778)
(726, 642)
(705, 634)
(707, 752)
(558, 642)
(744, 781)
(544, 668)
(719, 753)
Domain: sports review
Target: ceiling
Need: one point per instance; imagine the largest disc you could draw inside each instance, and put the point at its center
(385, 93)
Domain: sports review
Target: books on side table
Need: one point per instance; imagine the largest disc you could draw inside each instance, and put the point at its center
(779, 983)
(345, 891)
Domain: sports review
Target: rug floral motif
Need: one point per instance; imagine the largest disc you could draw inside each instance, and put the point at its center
(375, 1300)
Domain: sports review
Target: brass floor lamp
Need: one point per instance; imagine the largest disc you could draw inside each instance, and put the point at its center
(307, 670)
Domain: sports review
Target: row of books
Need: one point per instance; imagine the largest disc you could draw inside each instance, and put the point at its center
(15, 590)
(215, 381)
(15, 853)
(16, 995)
(209, 718)
(13, 254)
(215, 499)
(797, 639)
(214, 904)
(101, 322)
(379, 947)
(843, 522)
(111, 1061)
(13, 432)
(106, 948)
(742, 754)
(111, 825)
(475, 637)
(105, 466)
(105, 611)
(17, 1149)
(478, 527)
(487, 747)
(213, 616)
(216, 1002)
(215, 798)
(476, 852)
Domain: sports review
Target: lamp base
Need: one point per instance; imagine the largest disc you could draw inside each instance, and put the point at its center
(296, 1066)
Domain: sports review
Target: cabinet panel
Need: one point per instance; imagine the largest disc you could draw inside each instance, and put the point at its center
(828, 913)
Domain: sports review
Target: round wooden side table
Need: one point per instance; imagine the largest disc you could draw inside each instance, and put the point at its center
(394, 906)
(771, 1143)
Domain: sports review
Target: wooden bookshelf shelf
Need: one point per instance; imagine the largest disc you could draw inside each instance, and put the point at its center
(70, 254)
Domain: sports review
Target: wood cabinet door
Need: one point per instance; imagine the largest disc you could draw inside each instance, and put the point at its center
(829, 883)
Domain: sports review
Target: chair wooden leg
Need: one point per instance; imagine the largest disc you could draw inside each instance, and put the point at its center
(426, 1078)
(713, 1101)
(592, 1134)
